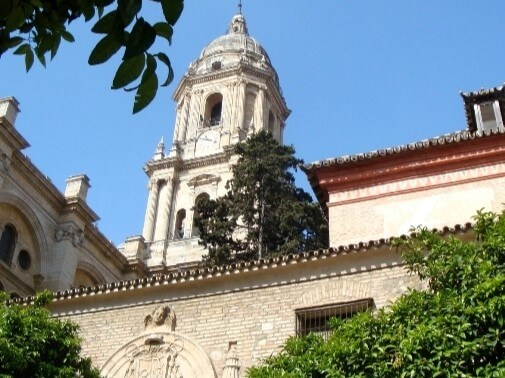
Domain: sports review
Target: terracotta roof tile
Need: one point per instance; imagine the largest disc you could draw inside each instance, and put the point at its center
(452, 138)
(234, 268)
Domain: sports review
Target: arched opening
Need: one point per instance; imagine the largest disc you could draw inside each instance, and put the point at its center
(84, 279)
(179, 224)
(198, 199)
(213, 110)
(7, 243)
(271, 123)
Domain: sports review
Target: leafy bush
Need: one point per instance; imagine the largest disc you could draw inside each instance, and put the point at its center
(455, 328)
(32, 344)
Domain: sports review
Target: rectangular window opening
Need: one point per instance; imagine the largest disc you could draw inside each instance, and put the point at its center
(316, 319)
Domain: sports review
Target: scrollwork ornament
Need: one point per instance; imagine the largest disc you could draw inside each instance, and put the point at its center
(70, 233)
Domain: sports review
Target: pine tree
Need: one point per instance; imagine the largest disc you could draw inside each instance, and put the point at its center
(263, 213)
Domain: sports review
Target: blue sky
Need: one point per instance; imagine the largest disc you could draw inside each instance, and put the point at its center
(357, 75)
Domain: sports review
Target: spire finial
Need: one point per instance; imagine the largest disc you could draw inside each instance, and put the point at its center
(160, 150)
(239, 6)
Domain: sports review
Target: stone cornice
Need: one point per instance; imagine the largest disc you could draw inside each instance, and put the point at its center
(26, 169)
(236, 269)
(96, 239)
(268, 76)
(81, 209)
(218, 158)
(11, 136)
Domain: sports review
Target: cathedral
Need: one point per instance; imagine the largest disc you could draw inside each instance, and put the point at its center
(147, 308)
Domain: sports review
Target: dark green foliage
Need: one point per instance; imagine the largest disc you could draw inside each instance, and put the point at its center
(35, 28)
(32, 344)
(456, 328)
(263, 213)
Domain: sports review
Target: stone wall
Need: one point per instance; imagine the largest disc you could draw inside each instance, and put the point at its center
(254, 307)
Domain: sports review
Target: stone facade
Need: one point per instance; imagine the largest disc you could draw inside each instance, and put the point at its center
(250, 305)
(53, 242)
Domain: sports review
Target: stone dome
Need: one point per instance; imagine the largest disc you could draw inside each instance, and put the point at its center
(233, 47)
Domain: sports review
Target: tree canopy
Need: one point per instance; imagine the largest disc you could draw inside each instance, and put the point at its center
(263, 213)
(35, 28)
(455, 328)
(32, 344)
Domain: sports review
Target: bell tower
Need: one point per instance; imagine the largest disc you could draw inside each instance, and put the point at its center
(230, 92)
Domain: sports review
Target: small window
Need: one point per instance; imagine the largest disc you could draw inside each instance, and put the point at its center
(487, 116)
(213, 108)
(216, 65)
(179, 224)
(199, 198)
(7, 243)
(316, 319)
(487, 112)
(215, 114)
(24, 260)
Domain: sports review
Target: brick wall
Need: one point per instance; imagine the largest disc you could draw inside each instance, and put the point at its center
(391, 209)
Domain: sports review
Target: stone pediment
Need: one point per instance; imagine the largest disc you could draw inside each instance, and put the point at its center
(203, 179)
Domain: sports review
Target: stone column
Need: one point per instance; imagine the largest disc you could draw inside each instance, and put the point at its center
(152, 202)
(194, 114)
(183, 129)
(182, 118)
(163, 214)
(239, 105)
(260, 109)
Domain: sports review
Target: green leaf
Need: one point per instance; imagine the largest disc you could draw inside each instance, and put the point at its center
(41, 57)
(103, 3)
(163, 29)
(129, 71)
(172, 10)
(103, 50)
(146, 93)
(148, 86)
(88, 10)
(5, 8)
(129, 9)
(56, 45)
(23, 49)
(105, 25)
(37, 3)
(13, 42)
(67, 36)
(164, 58)
(15, 19)
(140, 39)
(29, 58)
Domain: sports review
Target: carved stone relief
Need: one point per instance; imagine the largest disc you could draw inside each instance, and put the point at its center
(71, 233)
(5, 163)
(159, 352)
